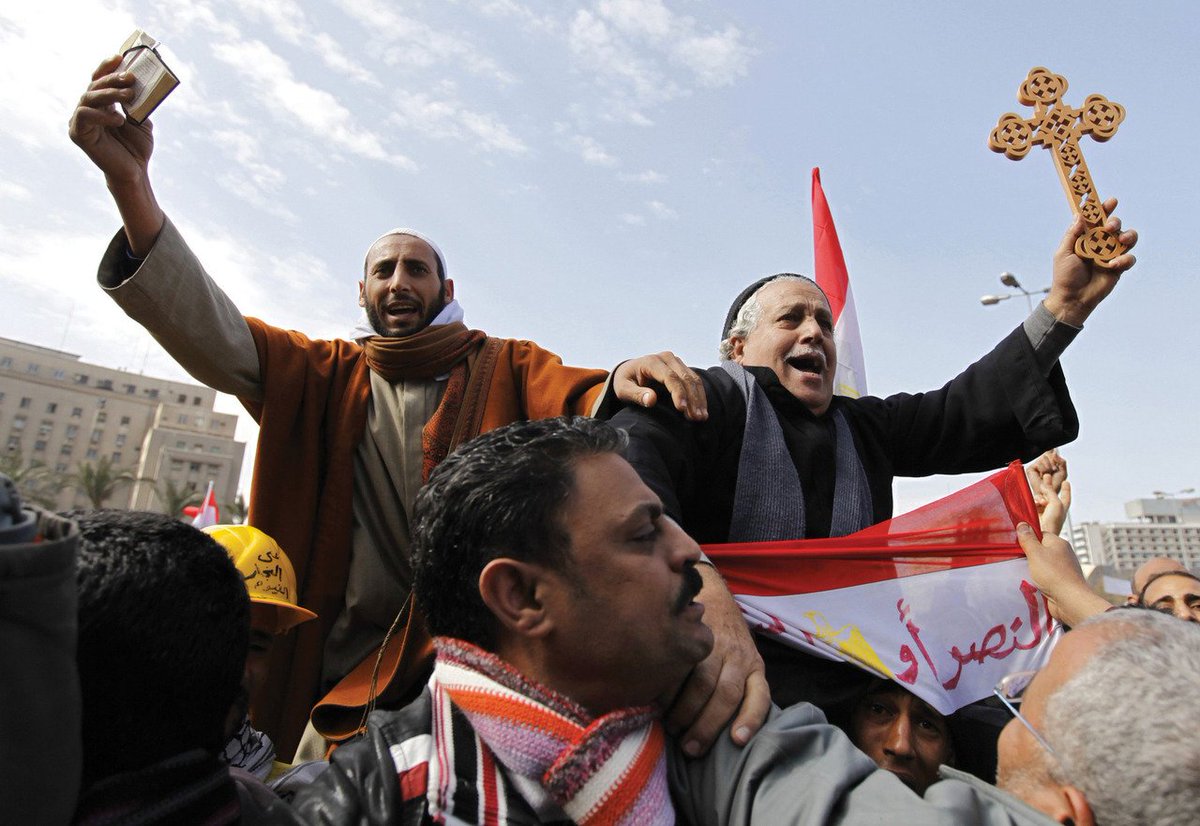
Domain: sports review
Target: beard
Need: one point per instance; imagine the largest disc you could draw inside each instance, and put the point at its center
(431, 312)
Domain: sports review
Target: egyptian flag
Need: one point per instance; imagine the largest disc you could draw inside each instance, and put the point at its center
(832, 277)
(939, 600)
(207, 513)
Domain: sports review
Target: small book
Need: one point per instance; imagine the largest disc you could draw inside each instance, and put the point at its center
(154, 80)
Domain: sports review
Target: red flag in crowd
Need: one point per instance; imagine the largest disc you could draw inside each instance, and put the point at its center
(832, 277)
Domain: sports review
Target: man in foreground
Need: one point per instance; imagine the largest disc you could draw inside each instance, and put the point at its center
(563, 618)
(348, 429)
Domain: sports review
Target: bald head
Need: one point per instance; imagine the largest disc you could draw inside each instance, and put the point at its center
(1151, 568)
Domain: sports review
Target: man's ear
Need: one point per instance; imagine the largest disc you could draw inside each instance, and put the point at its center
(737, 348)
(510, 589)
(1080, 810)
(448, 287)
(362, 294)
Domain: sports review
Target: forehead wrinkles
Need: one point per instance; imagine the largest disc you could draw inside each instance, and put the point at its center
(786, 295)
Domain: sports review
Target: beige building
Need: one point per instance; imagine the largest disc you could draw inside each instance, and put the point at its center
(61, 411)
(1163, 526)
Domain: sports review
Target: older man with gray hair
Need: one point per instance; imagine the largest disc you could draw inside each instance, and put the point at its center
(781, 457)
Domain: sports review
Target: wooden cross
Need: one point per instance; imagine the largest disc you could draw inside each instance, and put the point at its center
(1058, 127)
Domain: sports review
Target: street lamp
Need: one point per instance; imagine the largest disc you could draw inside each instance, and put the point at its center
(1010, 280)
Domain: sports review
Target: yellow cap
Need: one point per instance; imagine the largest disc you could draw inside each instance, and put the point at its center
(268, 573)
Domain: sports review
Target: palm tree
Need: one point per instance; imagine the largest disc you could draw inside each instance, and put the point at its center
(175, 497)
(236, 509)
(34, 480)
(99, 481)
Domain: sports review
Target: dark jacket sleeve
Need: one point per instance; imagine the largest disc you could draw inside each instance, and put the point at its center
(688, 464)
(999, 409)
(40, 704)
(361, 785)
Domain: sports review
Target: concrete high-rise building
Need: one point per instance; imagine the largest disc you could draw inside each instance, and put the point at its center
(1162, 526)
(60, 411)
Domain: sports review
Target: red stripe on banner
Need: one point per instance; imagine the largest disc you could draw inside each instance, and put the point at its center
(829, 263)
(975, 526)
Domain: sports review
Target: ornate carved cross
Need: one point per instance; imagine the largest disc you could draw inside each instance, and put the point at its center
(1057, 127)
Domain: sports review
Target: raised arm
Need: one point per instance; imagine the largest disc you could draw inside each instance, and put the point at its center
(121, 149)
(162, 286)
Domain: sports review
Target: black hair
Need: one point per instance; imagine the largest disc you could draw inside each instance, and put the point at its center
(501, 494)
(164, 622)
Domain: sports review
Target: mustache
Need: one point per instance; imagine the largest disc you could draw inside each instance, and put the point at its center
(692, 583)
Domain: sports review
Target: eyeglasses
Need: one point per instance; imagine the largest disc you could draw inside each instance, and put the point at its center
(1011, 690)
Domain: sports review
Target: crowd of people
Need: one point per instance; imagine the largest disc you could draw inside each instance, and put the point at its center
(473, 590)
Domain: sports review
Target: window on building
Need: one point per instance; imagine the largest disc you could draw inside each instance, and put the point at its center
(130, 390)
(182, 399)
(25, 402)
(32, 369)
(183, 418)
(18, 423)
(102, 417)
(76, 412)
(152, 392)
(91, 453)
(197, 448)
(214, 449)
(65, 450)
(14, 442)
(193, 467)
(81, 378)
(181, 445)
(60, 467)
(39, 446)
(60, 374)
(124, 421)
(45, 427)
(116, 457)
(120, 440)
(195, 401)
(96, 434)
(199, 420)
(52, 407)
(6, 361)
(100, 403)
(72, 431)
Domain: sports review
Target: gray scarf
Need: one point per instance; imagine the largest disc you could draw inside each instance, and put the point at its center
(768, 503)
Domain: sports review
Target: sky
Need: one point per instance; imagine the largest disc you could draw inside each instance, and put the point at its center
(605, 176)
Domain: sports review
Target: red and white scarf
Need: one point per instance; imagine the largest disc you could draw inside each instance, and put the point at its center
(607, 770)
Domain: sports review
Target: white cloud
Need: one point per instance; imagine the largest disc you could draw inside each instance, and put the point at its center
(716, 59)
(318, 111)
(645, 17)
(445, 118)
(648, 176)
(633, 219)
(48, 60)
(289, 22)
(11, 191)
(592, 152)
(632, 47)
(407, 41)
(661, 210)
(531, 20)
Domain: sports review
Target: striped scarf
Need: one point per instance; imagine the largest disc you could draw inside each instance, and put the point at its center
(608, 770)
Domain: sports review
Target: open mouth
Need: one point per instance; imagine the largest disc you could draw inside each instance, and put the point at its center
(813, 363)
